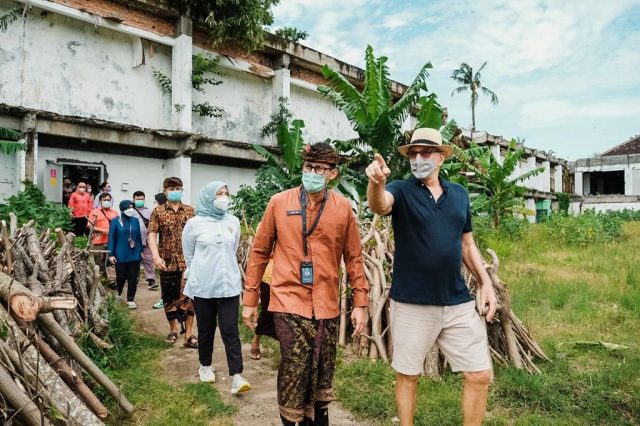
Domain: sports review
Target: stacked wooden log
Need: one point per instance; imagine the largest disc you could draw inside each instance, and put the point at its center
(50, 296)
(510, 341)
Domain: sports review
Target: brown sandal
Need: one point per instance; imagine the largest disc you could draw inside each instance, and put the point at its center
(192, 342)
(254, 353)
(172, 337)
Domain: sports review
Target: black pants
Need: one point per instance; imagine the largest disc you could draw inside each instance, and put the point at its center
(129, 272)
(80, 226)
(321, 417)
(225, 311)
(266, 326)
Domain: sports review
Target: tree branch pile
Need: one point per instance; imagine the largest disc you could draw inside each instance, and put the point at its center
(50, 296)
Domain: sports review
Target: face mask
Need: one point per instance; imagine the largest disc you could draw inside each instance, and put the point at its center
(81, 189)
(129, 212)
(174, 196)
(221, 203)
(139, 204)
(313, 182)
(106, 204)
(421, 168)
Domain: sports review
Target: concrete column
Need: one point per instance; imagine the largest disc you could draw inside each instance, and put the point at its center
(281, 85)
(495, 150)
(577, 183)
(557, 176)
(30, 169)
(181, 167)
(531, 183)
(545, 177)
(586, 183)
(530, 204)
(628, 181)
(181, 69)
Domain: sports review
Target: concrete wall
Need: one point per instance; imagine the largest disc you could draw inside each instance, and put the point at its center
(8, 170)
(322, 119)
(247, 103)
(65, 66)
(202, 174)
(605, 207)
(630, 164)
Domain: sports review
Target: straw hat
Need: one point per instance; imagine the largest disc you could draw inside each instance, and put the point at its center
(426, 137)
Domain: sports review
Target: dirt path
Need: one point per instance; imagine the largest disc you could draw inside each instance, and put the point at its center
(180, 365)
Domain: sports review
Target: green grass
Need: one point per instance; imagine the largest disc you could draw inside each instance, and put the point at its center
(564, 294)
(134, 365)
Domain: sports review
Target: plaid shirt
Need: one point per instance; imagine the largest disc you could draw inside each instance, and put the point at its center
(169, 223)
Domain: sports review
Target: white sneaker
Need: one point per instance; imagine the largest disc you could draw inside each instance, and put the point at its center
(240, 385)
(207, 374)
(132, 305)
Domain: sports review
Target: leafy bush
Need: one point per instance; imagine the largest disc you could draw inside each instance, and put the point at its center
(510, 228)
(32, 204)
(588, 227)
(251, 201)
(626, 215)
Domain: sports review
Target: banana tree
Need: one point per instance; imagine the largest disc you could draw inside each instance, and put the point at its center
(376, 117)
(495, 191)
(11, 142)
(290, 141)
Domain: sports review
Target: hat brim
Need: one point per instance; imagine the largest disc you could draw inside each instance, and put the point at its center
(446, 150)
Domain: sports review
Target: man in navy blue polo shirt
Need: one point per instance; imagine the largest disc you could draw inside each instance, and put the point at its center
(430, 302)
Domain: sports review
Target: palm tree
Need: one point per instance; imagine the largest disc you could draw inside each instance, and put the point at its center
(470, 81)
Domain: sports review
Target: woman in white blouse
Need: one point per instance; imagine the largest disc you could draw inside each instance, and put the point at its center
(210, 241)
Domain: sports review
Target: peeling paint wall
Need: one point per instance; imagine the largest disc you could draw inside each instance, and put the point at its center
(8, 172)
(65, 66)
(246, 100)
(202, 174)
(322, 120)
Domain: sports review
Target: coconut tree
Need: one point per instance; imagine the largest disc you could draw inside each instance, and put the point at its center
(470, 81)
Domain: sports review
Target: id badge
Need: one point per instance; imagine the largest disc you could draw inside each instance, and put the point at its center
(132, 244)
(306, 273)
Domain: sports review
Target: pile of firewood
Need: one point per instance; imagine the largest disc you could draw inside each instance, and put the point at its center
(50, 295)
(510, 341)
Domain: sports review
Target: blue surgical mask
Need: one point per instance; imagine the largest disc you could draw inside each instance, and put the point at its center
(313, 182)
(174, 196)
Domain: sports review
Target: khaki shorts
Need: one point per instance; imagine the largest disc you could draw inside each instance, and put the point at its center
(458, 330)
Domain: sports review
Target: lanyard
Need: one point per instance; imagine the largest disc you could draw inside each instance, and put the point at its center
(303, 205)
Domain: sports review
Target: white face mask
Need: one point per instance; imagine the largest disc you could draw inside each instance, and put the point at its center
(422, 168)
(221, 203)
(130, 212)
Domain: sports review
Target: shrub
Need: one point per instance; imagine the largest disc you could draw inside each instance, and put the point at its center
(32, 204)
(585, 228)
(511, 227)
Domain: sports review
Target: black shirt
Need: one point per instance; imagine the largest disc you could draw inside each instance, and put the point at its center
(428, 239)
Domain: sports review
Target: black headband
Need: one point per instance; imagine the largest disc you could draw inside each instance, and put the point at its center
(424, 141)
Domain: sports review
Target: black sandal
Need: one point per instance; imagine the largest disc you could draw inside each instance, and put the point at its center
(172, 337)
(192, 342)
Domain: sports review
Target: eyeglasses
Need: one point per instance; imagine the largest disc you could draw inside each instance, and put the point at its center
(425, 152)
(319, 170)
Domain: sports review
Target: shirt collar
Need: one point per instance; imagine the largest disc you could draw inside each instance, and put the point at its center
(443, 182)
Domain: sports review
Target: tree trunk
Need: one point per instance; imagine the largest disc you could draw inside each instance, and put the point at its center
(68, 375)
(38, 369)
(18, 400)
(25, 304)
(76, 353)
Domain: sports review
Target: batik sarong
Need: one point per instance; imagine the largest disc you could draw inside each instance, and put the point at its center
(308, 360)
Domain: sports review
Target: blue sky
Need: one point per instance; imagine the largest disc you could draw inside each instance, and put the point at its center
(567, 73)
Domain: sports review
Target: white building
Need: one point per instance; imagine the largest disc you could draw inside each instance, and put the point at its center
(77, 79)
(610, 181)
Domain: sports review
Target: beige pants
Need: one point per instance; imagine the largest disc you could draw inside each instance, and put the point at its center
(101, 259)
(458, 330)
